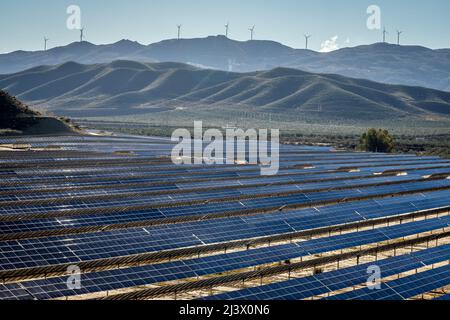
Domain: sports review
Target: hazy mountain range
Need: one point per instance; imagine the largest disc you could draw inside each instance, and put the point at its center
(387, 63)
(129, 87)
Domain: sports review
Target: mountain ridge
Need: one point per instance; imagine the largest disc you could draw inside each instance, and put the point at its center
(130, 87)
(380, 62)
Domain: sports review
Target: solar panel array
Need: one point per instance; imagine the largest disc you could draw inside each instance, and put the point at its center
(308, 287)
(134, 222)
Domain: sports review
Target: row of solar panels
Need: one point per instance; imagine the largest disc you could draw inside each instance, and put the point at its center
(28, 253)
(320, 157)
(22, 225)
(139, 147)
(78, 138)
(404, 288)
(244, 203)
(74, 175)
(242, 172)
(137, 276)
(329, 282)
(149, 165)
(189, 194)
(99, 219)
(177, 181)
(185, 182)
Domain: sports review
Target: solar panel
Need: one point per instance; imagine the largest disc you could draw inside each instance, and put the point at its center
(117, 242)
(128, 196)
(143, 186)
(55, 287)
(444, 298)
(403, 288)
(330, 281)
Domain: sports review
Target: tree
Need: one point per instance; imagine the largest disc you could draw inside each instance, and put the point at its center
(377, 141)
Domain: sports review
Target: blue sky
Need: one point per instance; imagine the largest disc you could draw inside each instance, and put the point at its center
(424, 23)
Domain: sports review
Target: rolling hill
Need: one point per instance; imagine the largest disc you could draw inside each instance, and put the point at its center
(18, 118)
(131, 88)
(381, 62)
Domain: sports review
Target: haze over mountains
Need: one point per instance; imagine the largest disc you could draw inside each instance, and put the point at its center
(129, 87)
(381, 62)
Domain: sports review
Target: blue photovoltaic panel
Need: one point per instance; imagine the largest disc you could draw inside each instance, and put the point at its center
(86, 168)
(94, 282)
(14, 291)
(444, 298)
(403, 288)
(332, 281)
(114, 243)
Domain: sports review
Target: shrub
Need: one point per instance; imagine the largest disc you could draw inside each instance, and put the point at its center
(377, 141)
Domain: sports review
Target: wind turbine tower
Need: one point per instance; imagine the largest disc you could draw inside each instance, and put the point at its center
(227, 28)
(45, 43)
(81, 34)
(252, 32)
(399, 33)
(384, 34)
(307, 36)
(179, 31)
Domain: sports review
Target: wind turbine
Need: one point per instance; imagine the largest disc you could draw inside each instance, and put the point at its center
(252, 31)
(307, 36)
(81, 34)
(45, 43)
(384, 34)
(399, 33)
(227, 27)
(179, 31)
